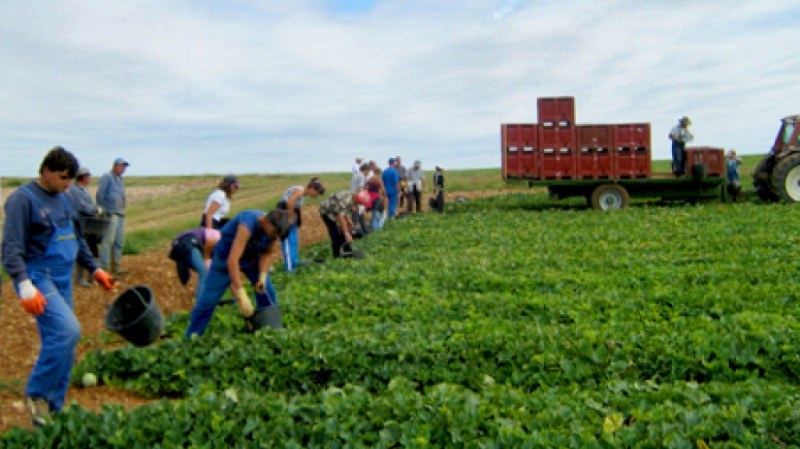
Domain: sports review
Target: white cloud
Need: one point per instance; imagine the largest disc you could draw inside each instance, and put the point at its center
(290, 86)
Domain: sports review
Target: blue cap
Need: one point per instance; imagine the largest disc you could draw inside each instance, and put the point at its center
(120, 160)
(392, 160)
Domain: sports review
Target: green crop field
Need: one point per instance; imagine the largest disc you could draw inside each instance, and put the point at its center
(508, 322)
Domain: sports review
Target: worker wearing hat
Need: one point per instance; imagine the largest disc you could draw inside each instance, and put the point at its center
(81, 202)
(680, 136)
(41, 243)
(111, 197)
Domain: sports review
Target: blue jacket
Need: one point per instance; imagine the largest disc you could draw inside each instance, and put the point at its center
(111, 194)
(27, 230)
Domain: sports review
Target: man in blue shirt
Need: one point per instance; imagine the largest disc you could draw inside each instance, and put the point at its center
(111, 197)
(249, 245)
(41, 242)
(391, 183)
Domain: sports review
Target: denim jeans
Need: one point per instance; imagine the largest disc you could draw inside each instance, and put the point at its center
(113, 238)
(376, 220)
(290, 247)
(59, 331)
(678, 158)
(199, 267)
(217, 281)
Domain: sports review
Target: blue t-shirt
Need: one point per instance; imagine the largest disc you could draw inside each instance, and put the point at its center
(258, 243)
(390, 180)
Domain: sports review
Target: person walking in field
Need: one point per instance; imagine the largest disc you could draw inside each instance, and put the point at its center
(680, 136)
(402, 175)
(218, 204)
(391, 185)
(111, 198)
(292, 201)
(248, 245)
(41, 242)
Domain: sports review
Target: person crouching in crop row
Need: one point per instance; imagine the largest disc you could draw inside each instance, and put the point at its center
(41, 242)
(336, 212)
(191, 250)
(249, 244)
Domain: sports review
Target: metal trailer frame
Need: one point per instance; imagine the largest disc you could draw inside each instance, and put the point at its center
(608, 194)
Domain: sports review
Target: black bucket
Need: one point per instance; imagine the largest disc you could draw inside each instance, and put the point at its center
(699, 171)
(135, 316)
(265, 317)
(95, 226)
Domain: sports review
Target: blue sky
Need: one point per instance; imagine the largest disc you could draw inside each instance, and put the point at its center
(194, 87)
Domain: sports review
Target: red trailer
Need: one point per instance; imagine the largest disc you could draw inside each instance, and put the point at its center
(607, 164)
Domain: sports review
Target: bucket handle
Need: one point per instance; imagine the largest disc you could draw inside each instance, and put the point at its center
(139, 295)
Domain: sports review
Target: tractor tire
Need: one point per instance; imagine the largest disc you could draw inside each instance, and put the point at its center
(762, 179)
(786, 178)
(609, 197)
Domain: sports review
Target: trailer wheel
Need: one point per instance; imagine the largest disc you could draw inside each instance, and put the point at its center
(786, 178)
(610, 196)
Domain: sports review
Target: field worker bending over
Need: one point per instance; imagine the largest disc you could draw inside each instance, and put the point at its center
(40, 246)
(292, 200)
(248, 244)
(336, 212)
(191, 250)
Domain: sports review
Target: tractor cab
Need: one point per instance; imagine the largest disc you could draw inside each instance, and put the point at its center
(777, 176)
(789, 135)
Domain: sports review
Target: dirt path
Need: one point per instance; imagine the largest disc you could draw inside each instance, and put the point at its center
(19, 342)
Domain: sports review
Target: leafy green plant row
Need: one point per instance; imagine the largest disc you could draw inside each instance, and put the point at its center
(752, 414)
(548, 302)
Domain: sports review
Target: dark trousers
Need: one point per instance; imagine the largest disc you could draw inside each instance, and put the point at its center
(337, 237)
(415, 198)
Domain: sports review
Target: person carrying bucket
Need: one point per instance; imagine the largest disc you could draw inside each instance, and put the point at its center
(41, 242)
(248, 245)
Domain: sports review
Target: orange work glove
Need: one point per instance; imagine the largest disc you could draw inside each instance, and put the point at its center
(104, 279)
(31, 298)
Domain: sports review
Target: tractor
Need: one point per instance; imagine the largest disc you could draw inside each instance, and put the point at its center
(777, 176)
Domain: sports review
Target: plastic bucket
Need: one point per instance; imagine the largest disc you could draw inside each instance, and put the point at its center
(95, 226)
(135, 316)
(265, 317)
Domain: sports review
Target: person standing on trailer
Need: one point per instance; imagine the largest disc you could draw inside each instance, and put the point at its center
(292, 201)
(248, 245)
(41, 242)
(680, 136)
